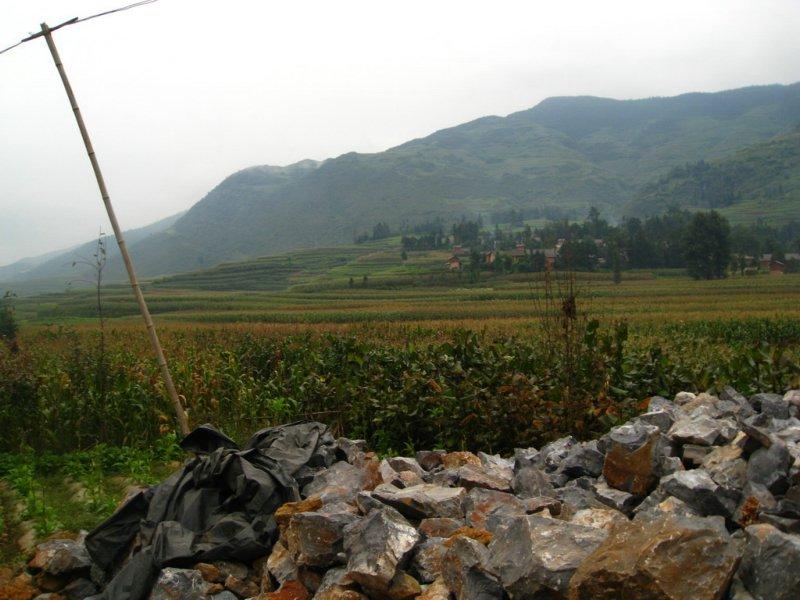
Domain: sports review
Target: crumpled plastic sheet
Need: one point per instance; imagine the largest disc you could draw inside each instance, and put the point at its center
(219, 506)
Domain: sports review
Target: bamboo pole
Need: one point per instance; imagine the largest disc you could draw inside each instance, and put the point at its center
(180, 414)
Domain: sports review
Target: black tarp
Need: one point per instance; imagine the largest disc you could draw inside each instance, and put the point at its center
(219, 506)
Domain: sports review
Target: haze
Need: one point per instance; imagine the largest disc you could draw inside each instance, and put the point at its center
(179, 94)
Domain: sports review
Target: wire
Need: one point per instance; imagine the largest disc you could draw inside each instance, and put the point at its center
(80, 20)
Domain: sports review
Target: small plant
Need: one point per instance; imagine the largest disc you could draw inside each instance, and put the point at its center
(8, 322)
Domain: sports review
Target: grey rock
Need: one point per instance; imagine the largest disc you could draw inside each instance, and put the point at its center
(424, 500)
(700, 492)
(703, 431)
(427, 561)
(660, 403)
(78, 589)
(430, 459)
(616, 499)
(583, 460)
(555, 452)
(526, 457)
(744, 408)
(375, 546)
(770, 566)
(366, 503)
(225, 595)
(319, 536)
(281, 564)
(658, 418)
(693, 454)
(340, 478)
(58, 557)
(658, 507)
(471, 476)
(485, 509)
(536, 556)
(402, 463)
(770, 467)
(501, 467)
(352, 450)
(772, 405)
(465, 574)
(442, 527)
(445, 477)
(530, 482)
(575, 498)
(179, 584)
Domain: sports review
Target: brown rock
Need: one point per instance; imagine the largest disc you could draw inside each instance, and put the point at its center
(670, 558)
(439, 526)
(454, 460)
(19, 588)
(285, 513)
(436, 591)
(471, 476)
(241, 587)
(280, 564)
(209, 572)
(289, 590)
(633, 468)
(338, 592)
(479, 535)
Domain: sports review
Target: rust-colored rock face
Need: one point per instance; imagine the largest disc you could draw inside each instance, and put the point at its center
(454, 460)
(671, 558)
(633, 471)
(290, 590)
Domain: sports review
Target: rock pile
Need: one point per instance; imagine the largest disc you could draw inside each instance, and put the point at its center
(697, 498)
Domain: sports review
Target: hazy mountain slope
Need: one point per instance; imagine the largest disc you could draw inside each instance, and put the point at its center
(761, 181)
(58, 266)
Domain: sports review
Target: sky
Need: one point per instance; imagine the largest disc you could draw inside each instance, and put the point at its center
(181, 93)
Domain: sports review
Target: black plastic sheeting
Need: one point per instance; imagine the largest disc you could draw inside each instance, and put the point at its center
(219, 506)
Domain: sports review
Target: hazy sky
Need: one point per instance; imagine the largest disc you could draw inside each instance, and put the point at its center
(181, 93)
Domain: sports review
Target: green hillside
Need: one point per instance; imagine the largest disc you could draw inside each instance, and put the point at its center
(759, 182)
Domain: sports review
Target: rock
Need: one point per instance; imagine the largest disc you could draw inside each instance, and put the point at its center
(78, 589)
(179, 584)
(726, 467)
(481, 506)
(501, 467)
(402, 587)
(658, 418)
(424, 500)
(403, 464)
(534, 556)
(693, 454)
(682, 398)
(530, 482)
(318, 536)
(770, 567)
(583, 460)
(670, 558)
(470, 476)
(60, 556)
(236, 569)
(600, 518)
(755, 498)
(280, 563)
(704, 431)
(209, 572)
(225, 595)
(365, 502)
(464, 571)
(454, 460)
(730, 395)
(525, 457)
(338, 592)
(389, 475)
(616, 499)
(427, 561)
(18, 588)
(633, 457)
(576, 498)
(442, 527)
(540, 503)
(341, 480)
(241, 587)
(430, 459)
(772, 405)
(700, 492)
(352, 450)
(285, 512)
(770, 467)
(436, 591)
(375, 545)
(479, 535)
(289, 590)
(552, 455)
(444, 477)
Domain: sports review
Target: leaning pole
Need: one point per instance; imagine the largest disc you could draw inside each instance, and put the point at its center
(180, 414)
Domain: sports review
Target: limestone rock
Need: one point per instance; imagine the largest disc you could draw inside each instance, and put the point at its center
(669, 558)
(375, 545)
(600, 518)
(61, 556)
(704, 431)
(341, 479)
(770, 567)
(770, 467)
(442, 527)
(772, 405)
(534, 556)
(424, 500)
(464, 571)
(427, 561)
(530, 482)
(482, 506)
(699, 491)
(471, 476)
(633, 458)
(179, 584)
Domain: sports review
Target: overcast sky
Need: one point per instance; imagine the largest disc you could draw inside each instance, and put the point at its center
(179, 94)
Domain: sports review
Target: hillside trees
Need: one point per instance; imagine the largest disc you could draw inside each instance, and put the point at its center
(707, 248)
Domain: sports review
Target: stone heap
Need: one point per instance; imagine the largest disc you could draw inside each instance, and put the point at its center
(697, 498)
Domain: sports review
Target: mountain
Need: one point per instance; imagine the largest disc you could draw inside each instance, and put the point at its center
(760, 181)
(555, 159)
(54, 270)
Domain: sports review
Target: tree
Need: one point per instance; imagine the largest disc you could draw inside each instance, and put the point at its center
(404, 256)
(707, 245)
(616, 265)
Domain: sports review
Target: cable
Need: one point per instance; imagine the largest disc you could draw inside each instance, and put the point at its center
(80, 20)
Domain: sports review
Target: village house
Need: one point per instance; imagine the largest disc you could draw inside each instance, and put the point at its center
(518, 253)
(489, 257)
(776, 267)
(453, 263)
